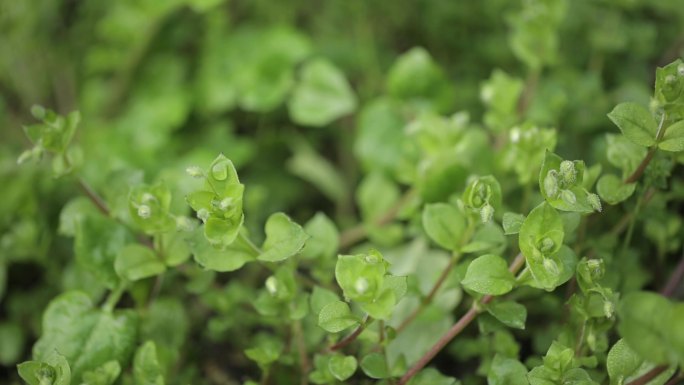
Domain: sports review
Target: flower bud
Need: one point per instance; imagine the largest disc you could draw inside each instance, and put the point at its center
(203, 214)
(680, 70)
(550, 266)
(568, 197)
(272, 285)
(568, 172)
(194, 171)
(547, 245)
(361, 285)
(608, 309)
(551, 184)
(144, 211)
(486, 213)
(594, 201)
(595, 267)
(226, 203)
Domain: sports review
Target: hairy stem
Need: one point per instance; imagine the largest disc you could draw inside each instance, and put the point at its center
(457, 328)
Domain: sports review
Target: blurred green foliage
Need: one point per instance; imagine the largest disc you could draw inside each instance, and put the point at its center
(332, 107)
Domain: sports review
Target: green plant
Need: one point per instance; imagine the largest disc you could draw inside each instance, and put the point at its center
(484, 234)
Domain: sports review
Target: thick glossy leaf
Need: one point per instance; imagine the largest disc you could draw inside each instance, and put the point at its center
(635, 122)
(284, 238)
(321, 96)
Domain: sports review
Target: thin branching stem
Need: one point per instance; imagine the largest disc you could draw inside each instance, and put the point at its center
(457, 328)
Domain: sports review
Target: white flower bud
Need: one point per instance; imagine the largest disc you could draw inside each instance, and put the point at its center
(226, 203)
(144, 211)
(272, 285)
(608, 309)
(486, 213)
(550, 266)
(194, 171)
(568, 197)
(203, 214)
(361, 285)
(551, 184)
(547, 245)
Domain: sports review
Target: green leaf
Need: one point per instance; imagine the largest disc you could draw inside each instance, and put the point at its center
(622, 362)
(267, 351)
(506, 371)
(560, 182)
(53, 369)
(98, 242)
(673, 140)
(360, 276)
(512, 223)
(135, 262)
(342, 367)
(511, 314)
(489, 274)
(146, 368)
(381, 306)
(375, 366)
(431, 376)
(284, 238)
(321, 297)
(417, 79)
(103, 375)
(319, 171)
(336, 316)
(222, 232)
(321, 96)
(87, 337)
(647, 335)
(613, 190)
(232, 258)
(324, 235)
(444, 224)
(635, 122)
(376, 195)
(541, 233)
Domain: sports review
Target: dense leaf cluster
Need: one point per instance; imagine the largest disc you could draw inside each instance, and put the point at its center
(389, 192)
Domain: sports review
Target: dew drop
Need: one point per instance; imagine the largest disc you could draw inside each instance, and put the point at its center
(220, 171)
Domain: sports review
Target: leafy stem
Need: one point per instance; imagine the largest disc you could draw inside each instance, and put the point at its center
(457, 328)
(114, 297)
(636, 175)
(351, 337)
